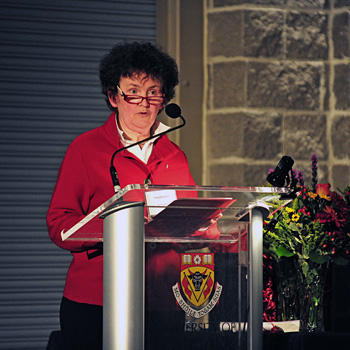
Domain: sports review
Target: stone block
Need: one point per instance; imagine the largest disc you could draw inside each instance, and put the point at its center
(341, 176)
(326, 95)
(263, 33)
(308, 4)
(238, 174)
(255, 136)
(341, 137)
(262, 136)
(341, 36)
(306, 35)
(255, 175)
(226, 175)
(342, 86)
(284, 85)
(228, 84)
(219, 3)
(305, 135)
(225, 34)
(225, 135)
(210, 74)
(341, 3)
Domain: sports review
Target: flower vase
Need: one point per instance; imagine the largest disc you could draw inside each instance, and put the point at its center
(287, 297)
(311, 286)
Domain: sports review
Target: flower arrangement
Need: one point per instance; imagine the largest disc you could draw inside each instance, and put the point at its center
(302, 236)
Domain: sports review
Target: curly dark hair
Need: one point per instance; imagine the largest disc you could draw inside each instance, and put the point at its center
(125, 59)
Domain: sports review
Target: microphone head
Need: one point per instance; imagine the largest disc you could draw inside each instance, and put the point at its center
(173, 110)
(280, 174)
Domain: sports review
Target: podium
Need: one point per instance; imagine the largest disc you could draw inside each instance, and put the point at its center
(182, 266)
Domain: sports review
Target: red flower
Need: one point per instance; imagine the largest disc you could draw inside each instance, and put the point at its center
(323, 189)
(334, 217)
(269, 305)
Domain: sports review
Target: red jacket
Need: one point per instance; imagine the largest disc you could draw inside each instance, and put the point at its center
(84, 183)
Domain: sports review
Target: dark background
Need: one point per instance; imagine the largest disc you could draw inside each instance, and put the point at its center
(50, 93)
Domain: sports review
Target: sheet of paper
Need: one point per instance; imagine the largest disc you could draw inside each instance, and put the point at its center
(157, 201)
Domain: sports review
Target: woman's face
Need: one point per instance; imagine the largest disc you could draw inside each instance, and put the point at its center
(136, 120)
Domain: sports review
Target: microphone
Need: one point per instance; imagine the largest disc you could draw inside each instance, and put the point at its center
(280, 174)
(173, 111)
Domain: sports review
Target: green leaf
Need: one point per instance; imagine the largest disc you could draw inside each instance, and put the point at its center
(297, 239)
(305, 268)
(295, 204)
(282, 251)
(293, 226)
(316, 300)
(318, 258)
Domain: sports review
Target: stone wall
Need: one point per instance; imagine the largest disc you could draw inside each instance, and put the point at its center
(277, 82)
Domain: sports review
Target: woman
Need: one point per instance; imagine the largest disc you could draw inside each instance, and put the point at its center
(137, 80)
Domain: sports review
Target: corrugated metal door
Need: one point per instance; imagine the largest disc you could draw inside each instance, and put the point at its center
(50, 93)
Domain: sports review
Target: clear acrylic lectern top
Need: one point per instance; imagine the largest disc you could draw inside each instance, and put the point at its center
(202, 200)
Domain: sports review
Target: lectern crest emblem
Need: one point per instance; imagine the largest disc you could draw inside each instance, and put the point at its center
(197, 280)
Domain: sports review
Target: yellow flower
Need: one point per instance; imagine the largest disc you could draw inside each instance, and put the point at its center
(328, 198)
(295, 217)
(312, 195)
(289, 210)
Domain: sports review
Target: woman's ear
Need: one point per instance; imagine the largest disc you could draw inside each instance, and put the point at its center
(113, 99)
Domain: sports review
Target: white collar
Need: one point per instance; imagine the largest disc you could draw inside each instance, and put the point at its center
(160, 127)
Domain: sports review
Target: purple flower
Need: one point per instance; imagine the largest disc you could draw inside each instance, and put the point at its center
(314, 168)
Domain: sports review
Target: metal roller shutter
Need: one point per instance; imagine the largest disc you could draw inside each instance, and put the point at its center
(50, 93)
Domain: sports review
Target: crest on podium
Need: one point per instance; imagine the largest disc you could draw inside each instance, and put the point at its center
(197, 281)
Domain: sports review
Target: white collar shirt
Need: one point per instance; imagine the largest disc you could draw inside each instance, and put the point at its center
(145, 152)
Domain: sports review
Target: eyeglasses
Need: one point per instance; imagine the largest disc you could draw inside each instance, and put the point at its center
(136, 99)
